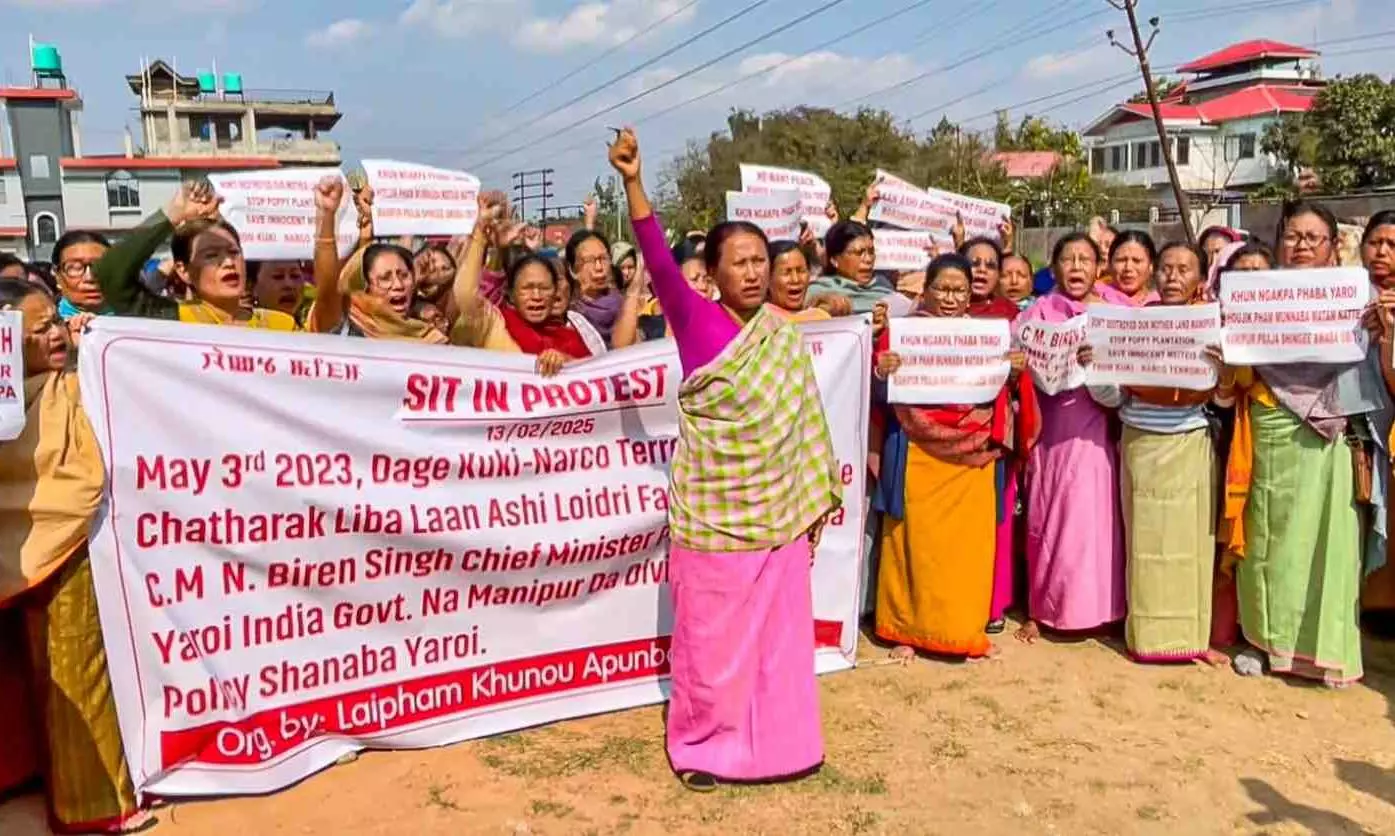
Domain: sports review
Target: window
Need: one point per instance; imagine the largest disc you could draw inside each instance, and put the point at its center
(45, 229)
(1147, 155)
(1183, 154)
(1097, 160)
(123, 191)
(4, 191)
(1240, 147)
(38, 167)
(1118, 157)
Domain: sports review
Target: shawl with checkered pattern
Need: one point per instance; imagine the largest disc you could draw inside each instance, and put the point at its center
(755, 466)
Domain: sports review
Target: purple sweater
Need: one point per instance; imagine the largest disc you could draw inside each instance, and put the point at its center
(701, 327)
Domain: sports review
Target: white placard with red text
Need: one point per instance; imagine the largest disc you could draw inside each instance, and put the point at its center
(776, 213)
(907, 206)
(11, 375)
(373, 543)
(412, 199)
(1160, 345)
(949, 360)
(814, 191)
(1272, 317)
(900, 251)
(1053, 350)
(273, 212)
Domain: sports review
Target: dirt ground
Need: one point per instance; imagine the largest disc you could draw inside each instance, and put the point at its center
(1058, 738)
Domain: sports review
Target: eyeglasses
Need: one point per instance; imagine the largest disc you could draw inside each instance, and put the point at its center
(396, 277)
(984, 262)
(950, 291)
(860, 253)
(583, 263)
(1077, 261)
(1378, 244)
(75, 269)
(1311, 240)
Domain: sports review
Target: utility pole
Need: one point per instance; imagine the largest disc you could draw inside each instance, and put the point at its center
(1140, 52)
(532, 185)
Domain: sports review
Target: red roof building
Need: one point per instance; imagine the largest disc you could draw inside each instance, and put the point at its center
(1215, 120)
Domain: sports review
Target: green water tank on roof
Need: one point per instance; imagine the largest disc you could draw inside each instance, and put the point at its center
(232, 83)
(208, 82)
(47, 61)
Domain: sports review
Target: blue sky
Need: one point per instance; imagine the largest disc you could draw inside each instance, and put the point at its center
(434, 80)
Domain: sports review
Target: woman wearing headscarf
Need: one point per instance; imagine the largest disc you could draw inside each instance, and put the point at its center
(752, 484)
(588, 258)
(625, 260)
(1378, 256)
(1291, 513)
(1213, 239)
(1075, 556)
(936, 582)
(1169, 486)
(372, 294)
(51, 480)
(207, 259)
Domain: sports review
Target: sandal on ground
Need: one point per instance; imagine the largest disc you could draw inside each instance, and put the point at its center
(995, 627)
(698, 781)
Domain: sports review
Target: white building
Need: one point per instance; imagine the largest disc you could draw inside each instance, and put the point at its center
(1216, 119)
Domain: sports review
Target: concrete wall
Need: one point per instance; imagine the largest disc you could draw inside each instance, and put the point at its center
(85, 198)
(12, 200)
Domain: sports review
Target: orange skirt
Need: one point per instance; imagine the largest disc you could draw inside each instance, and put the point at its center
(935, 584)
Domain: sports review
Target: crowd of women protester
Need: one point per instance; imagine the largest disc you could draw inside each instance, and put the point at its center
(1247, 522)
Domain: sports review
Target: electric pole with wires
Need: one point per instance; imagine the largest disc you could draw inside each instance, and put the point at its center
(1140, 52)
(532, 185)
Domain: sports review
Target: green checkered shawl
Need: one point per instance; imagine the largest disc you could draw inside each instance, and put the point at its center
(754, 467)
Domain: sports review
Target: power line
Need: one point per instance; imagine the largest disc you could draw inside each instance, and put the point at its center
(756, 74)
(576, 71)
(1007, 37)
(662, 85)
(643, 65)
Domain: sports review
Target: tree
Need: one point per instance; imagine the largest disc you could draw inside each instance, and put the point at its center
(1164, 86)
(1355, 135)
(847, 150)
(1034, 133)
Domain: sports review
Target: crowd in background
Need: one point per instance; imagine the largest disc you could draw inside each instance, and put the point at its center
(1245, 524)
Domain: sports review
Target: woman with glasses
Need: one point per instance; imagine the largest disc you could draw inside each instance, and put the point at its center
(1075, 538)
(1295, 479)
(851, 270)
(73, 258)
(597, 299)
(935, 584)
(373, 294)
(530, 318)
(985, 257)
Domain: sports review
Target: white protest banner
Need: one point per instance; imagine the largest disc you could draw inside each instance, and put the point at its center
(374, 543)
(777, 213)
(901, 252)
(908, 206)
(1272, 317)
(11, 374)
(273, 211)
(814, 191)
(1162, 345)
(412, 199)
(981, 217)
(949, 360)
(1052, 349)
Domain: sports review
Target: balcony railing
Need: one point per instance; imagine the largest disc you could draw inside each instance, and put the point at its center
(311, 98)
(295, 147)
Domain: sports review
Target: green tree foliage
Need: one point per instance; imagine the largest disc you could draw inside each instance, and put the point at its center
(846, 150)
(1347, 138)
(1034, 133)
(1164, 87)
